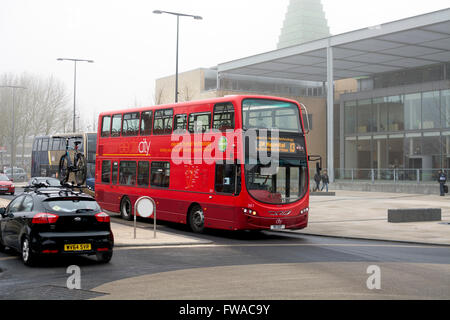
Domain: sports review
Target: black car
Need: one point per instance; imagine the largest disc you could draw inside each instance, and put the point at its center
(49, 221)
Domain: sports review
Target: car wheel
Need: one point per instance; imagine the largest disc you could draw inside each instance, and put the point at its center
(125, 209)
(197, 219)
(27, 255)
(104, 257)
(12, 193)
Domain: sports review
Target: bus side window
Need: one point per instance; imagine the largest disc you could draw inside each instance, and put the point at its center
(160, 174)
(35, 145)
(55, 144)
(223, 116)
(115, 168)
(143, 173)
(163, 121)
(130, 124)
(225, 178)
(199, 122)
(127, 173)
(39, 145)
(106, 171)
(116, 125)
(44, 146)
(106, 126)
(146, 123)
(180, 122)
(62, 145)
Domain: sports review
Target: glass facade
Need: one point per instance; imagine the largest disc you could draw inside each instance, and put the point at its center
(404, 132)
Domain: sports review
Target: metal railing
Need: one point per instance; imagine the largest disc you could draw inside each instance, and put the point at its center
(392, 175)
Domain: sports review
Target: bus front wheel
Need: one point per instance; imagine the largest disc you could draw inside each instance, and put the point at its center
(197, 219)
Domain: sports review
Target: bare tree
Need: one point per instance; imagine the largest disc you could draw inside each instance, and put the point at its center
(40, 109)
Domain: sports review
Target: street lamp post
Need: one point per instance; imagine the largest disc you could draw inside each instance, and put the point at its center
(178, 28)
(74, 82)
(13, 136)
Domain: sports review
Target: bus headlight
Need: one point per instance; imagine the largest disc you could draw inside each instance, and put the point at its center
(249, 211)
(304, 210)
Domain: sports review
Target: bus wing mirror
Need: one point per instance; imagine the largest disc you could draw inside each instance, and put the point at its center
(307, 118)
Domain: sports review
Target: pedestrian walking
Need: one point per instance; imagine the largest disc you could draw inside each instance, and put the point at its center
(442, 179)
(317, 180)
(325, 180)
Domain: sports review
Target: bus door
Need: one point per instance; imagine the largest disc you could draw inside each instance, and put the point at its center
(227, 185)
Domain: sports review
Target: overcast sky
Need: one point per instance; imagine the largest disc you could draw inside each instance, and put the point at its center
(132, 47)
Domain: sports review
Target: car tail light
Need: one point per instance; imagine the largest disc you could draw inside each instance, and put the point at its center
(102, 249)
(41, 218)
(102, 217)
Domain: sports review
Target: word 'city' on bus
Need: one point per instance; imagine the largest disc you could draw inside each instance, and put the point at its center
(235, 163)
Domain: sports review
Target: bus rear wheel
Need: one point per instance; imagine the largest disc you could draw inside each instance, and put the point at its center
(197, 219)
(125, 209)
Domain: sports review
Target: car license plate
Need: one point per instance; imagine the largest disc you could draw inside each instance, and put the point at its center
(277, 227)
(77, 247)
(3, 188)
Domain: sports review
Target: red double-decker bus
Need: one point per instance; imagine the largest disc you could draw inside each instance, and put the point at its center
(235, 163)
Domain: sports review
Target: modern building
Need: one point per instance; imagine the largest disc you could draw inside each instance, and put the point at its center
(379, 96)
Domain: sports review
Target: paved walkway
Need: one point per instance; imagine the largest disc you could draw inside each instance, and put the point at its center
(357, 214)
(124, 237)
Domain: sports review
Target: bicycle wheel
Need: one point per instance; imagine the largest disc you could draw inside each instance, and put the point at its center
(80, 169)
(63, 169)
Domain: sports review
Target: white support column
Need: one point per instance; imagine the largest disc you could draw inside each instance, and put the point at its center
(330, 108)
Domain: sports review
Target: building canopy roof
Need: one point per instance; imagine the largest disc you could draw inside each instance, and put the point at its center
(408, 43)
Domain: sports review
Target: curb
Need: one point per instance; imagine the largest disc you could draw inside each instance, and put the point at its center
(362, 238)
(124, 245)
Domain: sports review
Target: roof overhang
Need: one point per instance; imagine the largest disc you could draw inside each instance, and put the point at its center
(408, 43)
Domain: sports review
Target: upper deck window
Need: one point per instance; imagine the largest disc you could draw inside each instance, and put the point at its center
(270, 114)
(199, 122)
(163, 121)
(116, 125)
(106, 126)
(223, 116)
(130, 124)
(146, 123)
(44, 146)
(180, 122)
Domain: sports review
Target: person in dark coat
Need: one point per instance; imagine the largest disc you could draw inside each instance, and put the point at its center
(325, 180)
(317, 180)
(442, 179)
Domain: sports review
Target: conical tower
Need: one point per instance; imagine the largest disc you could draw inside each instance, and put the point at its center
(304, 21)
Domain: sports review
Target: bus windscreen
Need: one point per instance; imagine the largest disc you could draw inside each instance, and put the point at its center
(270, 114)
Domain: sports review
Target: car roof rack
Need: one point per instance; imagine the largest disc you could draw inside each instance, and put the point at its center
(43, 188)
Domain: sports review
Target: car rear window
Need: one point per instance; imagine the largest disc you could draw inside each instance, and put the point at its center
(3, 178)
(72, 205)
